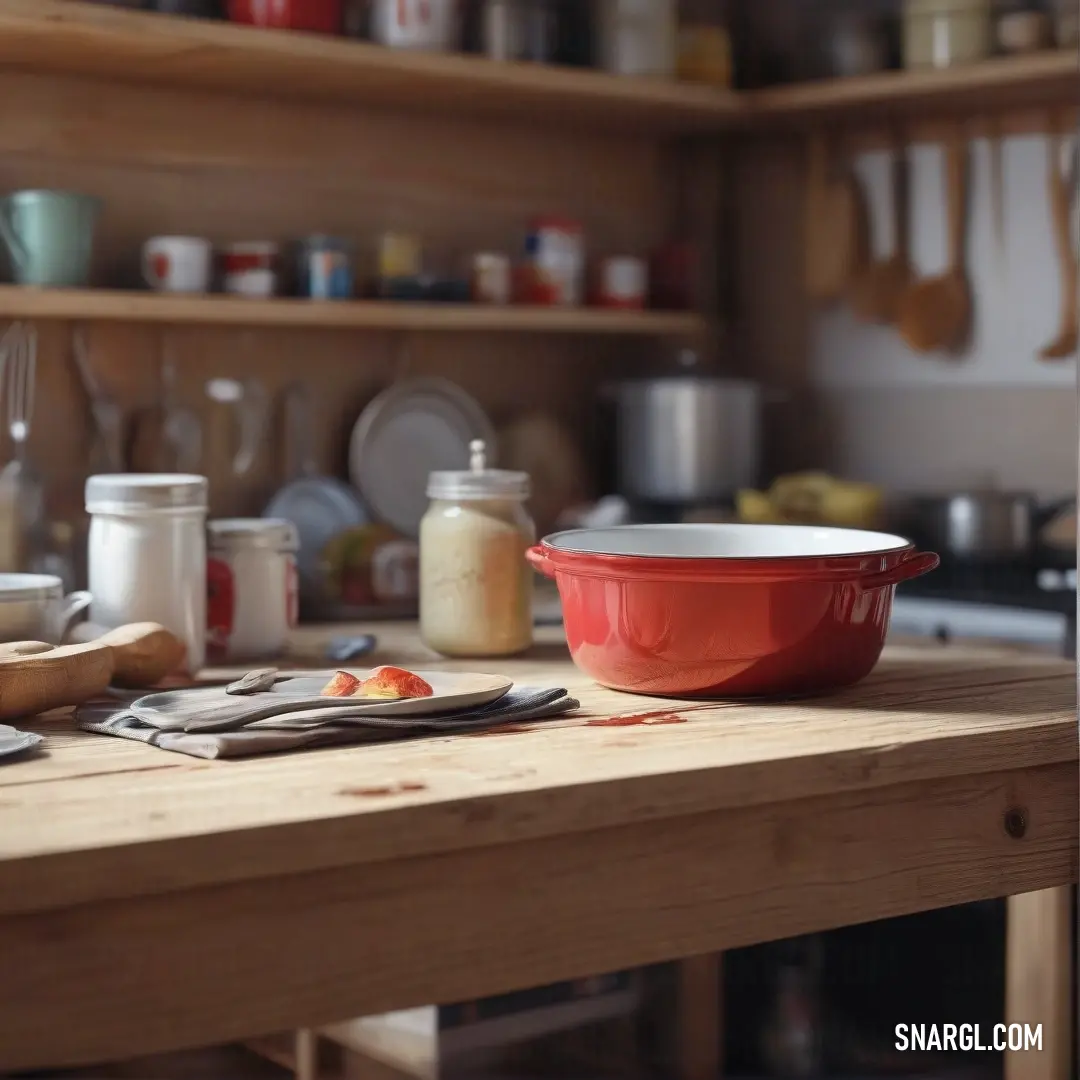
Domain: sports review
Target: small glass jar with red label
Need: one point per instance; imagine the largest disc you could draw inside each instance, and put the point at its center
(251, 588)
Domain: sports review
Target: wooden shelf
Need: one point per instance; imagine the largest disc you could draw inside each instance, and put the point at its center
(89, 305)
(1050, 78)
(65, 38)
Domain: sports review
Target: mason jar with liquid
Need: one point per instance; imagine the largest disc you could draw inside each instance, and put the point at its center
(475, 584)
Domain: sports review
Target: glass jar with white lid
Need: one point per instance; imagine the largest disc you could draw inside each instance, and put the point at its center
(146, 557)
(475, 584)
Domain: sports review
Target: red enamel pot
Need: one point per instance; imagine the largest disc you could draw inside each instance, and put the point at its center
(727, 610)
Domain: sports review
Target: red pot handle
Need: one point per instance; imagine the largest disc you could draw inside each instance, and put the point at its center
(915, 566)
(539, 561)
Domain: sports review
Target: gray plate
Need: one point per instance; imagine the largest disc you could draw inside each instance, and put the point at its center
(13, 741)
(414, 428)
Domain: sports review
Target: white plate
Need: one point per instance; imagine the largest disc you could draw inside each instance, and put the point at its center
(414, 428)
(453, 691)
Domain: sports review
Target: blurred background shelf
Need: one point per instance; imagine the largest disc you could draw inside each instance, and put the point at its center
(109, 305)
(1050, 78)
(60, 37)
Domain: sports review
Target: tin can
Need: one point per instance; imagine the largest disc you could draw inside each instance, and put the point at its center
(555, 261)
(490, 278)
(250, 268)
(326, 269)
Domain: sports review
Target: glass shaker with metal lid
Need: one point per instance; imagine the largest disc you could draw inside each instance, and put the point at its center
(475, 585)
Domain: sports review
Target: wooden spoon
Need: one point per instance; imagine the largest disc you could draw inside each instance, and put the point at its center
(935, 314)
(836, 232)
(877, 293)
(1065, 344)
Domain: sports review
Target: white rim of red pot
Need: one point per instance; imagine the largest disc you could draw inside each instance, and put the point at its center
(744, 542)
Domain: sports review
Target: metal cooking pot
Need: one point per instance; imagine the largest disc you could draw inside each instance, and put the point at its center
(687, 438)
(977, 524)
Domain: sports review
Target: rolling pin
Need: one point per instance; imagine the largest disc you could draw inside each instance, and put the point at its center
(143, 653)
(36, 677)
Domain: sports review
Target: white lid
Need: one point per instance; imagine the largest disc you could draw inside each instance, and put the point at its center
(273, 533)
(120, 493)
(479, 482)
(30, 587)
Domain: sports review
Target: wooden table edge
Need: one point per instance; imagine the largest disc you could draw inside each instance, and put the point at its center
(413, 825)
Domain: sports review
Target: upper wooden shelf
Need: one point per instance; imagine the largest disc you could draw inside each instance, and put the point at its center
(66, 38)
(1049, 78)
(113, 305)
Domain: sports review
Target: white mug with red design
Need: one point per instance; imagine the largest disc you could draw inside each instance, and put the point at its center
(179, 264)
(416, 24)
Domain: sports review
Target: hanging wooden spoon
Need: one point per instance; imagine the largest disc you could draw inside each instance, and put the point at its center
(876, 293)
(1065, 344)
(935, 314)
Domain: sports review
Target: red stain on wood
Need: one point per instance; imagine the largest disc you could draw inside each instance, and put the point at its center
(399, 788)
(645, 719)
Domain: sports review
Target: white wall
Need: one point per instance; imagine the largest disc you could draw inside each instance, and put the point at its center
(1016, 290)
(995, 415)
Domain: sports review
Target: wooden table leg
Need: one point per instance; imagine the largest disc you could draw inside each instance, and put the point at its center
(307, 1055)
(700, 1007)
(1038, 981)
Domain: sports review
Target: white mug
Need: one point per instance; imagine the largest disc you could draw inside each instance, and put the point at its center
(416, 24)
(33, 607)
(178, 264)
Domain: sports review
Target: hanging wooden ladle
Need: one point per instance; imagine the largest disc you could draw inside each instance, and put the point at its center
(936, 312)
(1065, 344)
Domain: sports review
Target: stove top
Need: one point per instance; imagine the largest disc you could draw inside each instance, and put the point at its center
(1022, 602)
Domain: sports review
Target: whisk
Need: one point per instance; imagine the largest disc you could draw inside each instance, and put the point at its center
(19, 479)
(20, 368)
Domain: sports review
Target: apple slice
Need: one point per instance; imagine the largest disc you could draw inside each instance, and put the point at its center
(341, 685)
(394, 682)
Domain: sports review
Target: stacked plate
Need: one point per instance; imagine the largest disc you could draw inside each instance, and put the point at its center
(413, 428)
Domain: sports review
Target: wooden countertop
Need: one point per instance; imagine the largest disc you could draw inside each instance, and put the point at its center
(893, 796)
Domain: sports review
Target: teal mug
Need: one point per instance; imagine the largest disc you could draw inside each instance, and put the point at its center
(49, 236)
